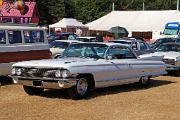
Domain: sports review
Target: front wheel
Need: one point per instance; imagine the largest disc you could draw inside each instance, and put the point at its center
(144, 81)
(33, 90)
(80, 90)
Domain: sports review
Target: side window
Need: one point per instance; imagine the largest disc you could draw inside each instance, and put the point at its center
(142, 46)
(2, 37)
(120, 52)
(88, 51)
(14, 37)
(33, 36)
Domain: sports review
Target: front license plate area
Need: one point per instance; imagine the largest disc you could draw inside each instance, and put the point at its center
(37, 83)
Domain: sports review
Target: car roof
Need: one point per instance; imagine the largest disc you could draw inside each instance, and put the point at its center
(167, 38)
(121, 40)
(87, 37)
(69, 41)
(103, 43)
(65, 33)
(171, 43)
(127, 40)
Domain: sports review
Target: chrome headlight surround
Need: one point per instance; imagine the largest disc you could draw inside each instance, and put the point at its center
(64, 73)
(13, 71)
(58, 73)
(16, 71)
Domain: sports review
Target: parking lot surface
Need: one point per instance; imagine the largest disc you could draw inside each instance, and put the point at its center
(159, 101)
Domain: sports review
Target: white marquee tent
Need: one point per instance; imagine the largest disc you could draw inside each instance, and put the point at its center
(69, 25)
(136, 21)
(68, 22)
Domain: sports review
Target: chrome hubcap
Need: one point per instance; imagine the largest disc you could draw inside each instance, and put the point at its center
(144, 79)
(82, 86)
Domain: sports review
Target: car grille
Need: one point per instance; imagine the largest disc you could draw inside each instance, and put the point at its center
(169, 61)
(38, 72)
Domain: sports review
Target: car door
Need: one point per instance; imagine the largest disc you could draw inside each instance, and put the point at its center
(121, 67)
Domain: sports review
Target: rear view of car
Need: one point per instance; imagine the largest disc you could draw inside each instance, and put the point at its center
(139, 46)
(161, 41)
(62, 36)
(58, 46)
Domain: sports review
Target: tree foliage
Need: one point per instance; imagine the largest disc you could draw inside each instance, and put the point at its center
(89, 10)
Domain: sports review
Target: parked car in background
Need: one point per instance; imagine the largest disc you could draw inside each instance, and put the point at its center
(87, 39)
(62, 36)
(139, 46)
(58, 46)
(171, 53)
(20, 43)
(84, 67)
(161, 41)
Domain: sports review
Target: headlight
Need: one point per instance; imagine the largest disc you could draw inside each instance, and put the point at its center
(58, 73)
(18, 71)
(66, 73)
(13, 71)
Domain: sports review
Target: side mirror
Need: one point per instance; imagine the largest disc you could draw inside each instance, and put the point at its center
(161, 33)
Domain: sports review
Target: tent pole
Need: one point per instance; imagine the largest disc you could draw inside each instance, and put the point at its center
(143, 5)
(177, 4)
(113, 6)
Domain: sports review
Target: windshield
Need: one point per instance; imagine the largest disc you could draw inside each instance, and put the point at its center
(86, 50)
(169, 31)
(169, 48)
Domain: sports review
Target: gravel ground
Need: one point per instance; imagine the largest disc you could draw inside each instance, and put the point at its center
(160, 101)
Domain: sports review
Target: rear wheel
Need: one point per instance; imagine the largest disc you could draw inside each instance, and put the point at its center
(144, 81)
(33, 90)
(80, 90)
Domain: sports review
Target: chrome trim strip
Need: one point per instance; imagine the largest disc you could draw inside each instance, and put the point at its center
(43, 78)
(47, 84)
(119, 64)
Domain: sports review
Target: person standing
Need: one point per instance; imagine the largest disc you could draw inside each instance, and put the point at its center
(99, 38)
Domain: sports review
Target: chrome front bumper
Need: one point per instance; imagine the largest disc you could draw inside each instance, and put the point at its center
(46, 83)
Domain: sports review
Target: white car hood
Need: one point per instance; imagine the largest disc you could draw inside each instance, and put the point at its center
(56, 63)
(167, 55)
(56, 51)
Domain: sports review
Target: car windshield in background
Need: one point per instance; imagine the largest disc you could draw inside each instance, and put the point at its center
(86, 50)
(122, 42)
(167, 47)
(171, 31)
(87, 39)
(62, 36)
(57, 44)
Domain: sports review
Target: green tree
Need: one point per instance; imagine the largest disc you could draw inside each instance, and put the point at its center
(88, 10)
(51, 10)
